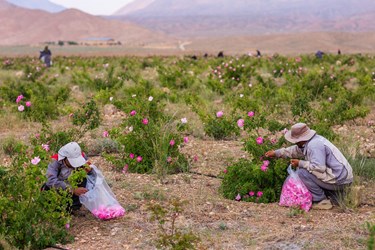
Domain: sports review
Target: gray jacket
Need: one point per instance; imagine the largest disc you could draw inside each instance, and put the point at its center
(322, 159)
(57, 174)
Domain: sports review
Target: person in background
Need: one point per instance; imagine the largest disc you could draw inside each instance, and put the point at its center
(45, 56)
(258, 53)
(321, 165)
(68, 159)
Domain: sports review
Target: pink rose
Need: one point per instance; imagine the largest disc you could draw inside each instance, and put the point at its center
(169, 159)
(45, 147)
(259, 193)
(105, 133)
(21, 108)
(139, 158)
(131, 155)
(240, 123)
(238, 197)
(19, 98)
(133, 112)
(35, 160)
(219, 114)
(250, 114)
(28, 104)
(251, 193)
(259, 140)
(172, 142)
(186, 139)
(145, 121)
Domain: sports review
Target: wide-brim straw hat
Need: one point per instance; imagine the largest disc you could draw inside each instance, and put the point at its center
(299, 132)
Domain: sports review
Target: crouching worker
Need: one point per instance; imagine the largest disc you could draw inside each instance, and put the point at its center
(321, 166)
(68, 159)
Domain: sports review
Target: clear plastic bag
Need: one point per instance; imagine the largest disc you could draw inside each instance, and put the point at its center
(294, 192)
(100, 199)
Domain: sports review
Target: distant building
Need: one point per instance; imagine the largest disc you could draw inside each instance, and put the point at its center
(99, 41)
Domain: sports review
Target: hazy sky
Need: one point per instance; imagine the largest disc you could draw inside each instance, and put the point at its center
(96, 7)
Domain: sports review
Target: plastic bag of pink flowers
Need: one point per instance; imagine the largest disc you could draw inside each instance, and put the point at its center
(106, 213)
(294, 193)
(100, 199)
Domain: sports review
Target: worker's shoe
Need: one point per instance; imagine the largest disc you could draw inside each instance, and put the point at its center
(325, 204)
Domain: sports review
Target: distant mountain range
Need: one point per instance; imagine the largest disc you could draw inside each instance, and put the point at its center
(195, 26)
(25, 26)
(250, 17)
(38, 5)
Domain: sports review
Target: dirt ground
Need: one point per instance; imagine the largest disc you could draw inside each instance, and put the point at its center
(219, 223)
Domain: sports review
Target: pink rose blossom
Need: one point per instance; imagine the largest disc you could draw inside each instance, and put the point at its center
(172, 142)
(28, 104)
(259, 193)
(225, 171)
(111, 212)
(238, 197)
(139, 158)
(263, 168)
(169, 159)
(259, 140)
(251, 193)
(295, 194)
(266, 163)
(21, 108)
(219, 114)
(241, 123)
(19, 98)
(131, 156)
(35, 160)
(105, 133)
(45, 147)
(67, 225)
(145, 121)
(186, 139)
(133, 113)
(250, 114)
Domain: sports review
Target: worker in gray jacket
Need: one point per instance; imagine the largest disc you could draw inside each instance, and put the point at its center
(321, 165)
(68, 158)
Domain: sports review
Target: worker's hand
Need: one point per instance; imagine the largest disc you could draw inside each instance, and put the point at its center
(270, 154)
(79, 191)
(294, 162)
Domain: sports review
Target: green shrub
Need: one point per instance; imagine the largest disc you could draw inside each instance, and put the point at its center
(11, 146)
(171, 236)
(371, 239)
(244, 180)
(87, 118)
(149, 140)
(31, 218)
(221, 127)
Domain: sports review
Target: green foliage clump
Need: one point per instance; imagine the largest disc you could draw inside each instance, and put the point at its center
(371, 239)
(170, 236)
(31, 218)
(245, 180)
(87, 118)
(149, 139)
(221, 127)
